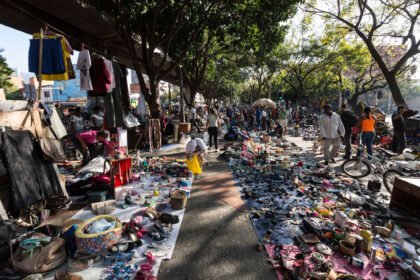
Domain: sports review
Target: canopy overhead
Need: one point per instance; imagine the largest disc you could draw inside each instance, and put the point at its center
(264, 102)
(78, 22)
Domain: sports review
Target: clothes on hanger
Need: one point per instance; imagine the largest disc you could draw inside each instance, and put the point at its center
(110, 69)
(58, 67)
(52, 56)
(83, 64)
(155, 140)
(101, 79)
(116, 102)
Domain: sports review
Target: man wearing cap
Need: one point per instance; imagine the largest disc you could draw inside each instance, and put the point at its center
(332, 129)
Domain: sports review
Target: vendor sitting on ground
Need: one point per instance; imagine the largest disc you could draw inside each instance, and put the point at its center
(87, 144)
(198, 147)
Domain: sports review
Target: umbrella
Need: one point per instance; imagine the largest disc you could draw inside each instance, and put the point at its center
(264, 102)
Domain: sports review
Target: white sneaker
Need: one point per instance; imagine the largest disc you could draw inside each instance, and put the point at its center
(216, 150)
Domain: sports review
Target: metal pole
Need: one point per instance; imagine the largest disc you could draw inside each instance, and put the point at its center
(41, 47)
(169, 95)
(181, 91)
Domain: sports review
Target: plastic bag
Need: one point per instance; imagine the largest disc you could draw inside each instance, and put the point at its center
(193, 165)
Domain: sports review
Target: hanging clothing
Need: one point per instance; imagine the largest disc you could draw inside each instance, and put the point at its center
(68, 66)
(32, 178)
(155, 140)
(52, 56)
(110, 69)
(101, 79)
(116, 102)
(121, 85)
(83, 64)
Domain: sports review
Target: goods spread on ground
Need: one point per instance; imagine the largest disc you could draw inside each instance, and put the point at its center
(316, 223)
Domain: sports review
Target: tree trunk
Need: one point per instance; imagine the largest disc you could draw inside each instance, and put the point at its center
(390, 76)
(353, 101)
(153, 101)
(395, 89)
(299, 93)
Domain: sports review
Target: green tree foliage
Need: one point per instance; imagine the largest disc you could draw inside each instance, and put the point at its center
(387, 28)
(165, 31)
(248, 30)
(5, 72)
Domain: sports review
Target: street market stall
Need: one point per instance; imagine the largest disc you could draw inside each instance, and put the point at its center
(316, 223)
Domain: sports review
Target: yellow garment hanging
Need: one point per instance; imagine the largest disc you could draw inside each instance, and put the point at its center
(66, 57)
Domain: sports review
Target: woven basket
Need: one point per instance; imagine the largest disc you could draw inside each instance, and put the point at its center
(178, 199)
(97, 242)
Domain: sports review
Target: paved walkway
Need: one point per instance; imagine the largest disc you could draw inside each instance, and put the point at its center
(217, 240)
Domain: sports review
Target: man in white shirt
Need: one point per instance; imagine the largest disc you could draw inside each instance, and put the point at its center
(332, 132)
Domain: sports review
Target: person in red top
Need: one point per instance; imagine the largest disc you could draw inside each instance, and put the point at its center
(108, 146)
(88, 140)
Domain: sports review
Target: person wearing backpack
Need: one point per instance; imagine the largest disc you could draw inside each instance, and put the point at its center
(349, 121)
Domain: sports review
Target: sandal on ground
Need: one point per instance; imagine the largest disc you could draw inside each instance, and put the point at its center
(64, 275)
(169, 218)
(75, 265)
(161, 229)
(156, 236)
(123, 247)
(120, 257)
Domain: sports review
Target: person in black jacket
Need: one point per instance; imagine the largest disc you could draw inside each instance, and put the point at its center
(399, 140)
(349, 120)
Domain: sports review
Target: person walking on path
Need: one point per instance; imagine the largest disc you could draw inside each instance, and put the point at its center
(213, 128)
(283, 119)
(399, 140)
(349, 121)
(268, 121)
(263, 119)
(193, 119)
(367, 127)
(251, 119)
(258, 117)
(332, 129)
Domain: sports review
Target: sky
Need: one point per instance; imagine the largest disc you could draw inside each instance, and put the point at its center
(16, 46)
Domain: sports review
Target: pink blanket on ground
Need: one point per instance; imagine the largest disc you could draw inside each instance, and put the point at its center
(341, 265)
